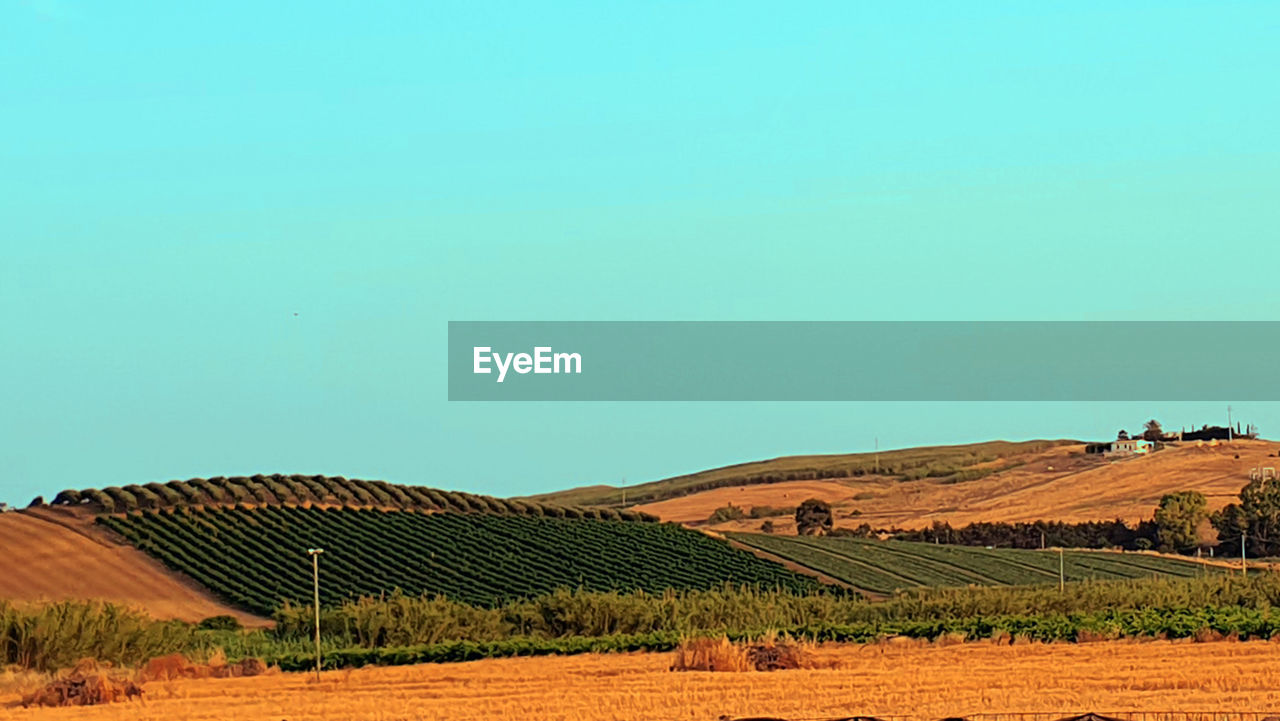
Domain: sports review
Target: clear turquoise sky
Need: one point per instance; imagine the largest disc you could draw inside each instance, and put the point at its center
(177, 180)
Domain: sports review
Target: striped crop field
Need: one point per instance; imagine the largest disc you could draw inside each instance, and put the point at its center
(881, 567)
(257, 559)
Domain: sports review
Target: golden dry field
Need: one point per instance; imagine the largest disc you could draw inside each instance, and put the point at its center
(912, 680)
(1060, 484)
(53, 559)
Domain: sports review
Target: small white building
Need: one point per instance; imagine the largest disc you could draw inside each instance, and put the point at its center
(1130, 447)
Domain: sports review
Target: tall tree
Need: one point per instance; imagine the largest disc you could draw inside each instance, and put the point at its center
(1152, 430)
(1260, 511)
(1230, 523)
(1178, 520)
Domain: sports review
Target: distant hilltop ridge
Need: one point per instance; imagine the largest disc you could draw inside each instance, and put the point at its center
(957, 463)
(993, 482)
(280, 489)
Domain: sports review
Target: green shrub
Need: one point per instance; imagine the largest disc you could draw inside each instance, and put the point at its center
(219, 623)
(726, 513)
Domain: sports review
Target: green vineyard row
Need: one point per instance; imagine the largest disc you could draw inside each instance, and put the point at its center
(257, 559)
(882, 567)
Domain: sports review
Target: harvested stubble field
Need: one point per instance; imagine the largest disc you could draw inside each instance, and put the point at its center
(1061, 483)
(925, 681)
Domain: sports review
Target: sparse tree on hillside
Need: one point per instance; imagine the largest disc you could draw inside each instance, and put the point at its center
(813, 518)
(767, 527)
(726, 513)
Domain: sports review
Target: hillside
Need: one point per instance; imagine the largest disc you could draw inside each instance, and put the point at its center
(194, 560)
(942, 463)
(45, 559)
(244, 537)
(256, 558)
(57, 550)
(1060, 483)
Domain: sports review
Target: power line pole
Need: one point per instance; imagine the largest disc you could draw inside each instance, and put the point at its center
(1243, 570)
(1062, 572)
(315, 576)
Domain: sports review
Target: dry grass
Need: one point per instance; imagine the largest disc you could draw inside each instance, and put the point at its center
(711, 654)
(49, 561)
(719, 654)
(19, 680)
(1061, 484)
(88, 684)
(915, 680)
(176, 665)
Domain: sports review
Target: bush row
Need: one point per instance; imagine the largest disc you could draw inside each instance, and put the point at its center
(1168, 623)
(281, 489)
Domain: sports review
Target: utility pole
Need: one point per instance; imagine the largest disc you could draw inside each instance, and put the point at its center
(1062, 572)
(315, 576)
(1243, 570)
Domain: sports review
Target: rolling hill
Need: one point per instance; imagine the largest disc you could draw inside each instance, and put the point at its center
(941, 463)
(1043, 480)
(237, 546)
(241, 537)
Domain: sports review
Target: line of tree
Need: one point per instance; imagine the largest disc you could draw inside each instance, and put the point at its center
(1038, 534)
(280, 489)
(1182, 523)
(1255, 519)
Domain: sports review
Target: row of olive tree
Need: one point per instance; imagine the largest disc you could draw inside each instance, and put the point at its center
(277, 489)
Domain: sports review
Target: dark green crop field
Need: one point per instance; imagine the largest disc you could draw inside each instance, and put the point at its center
(882, 567)
(256, 558)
